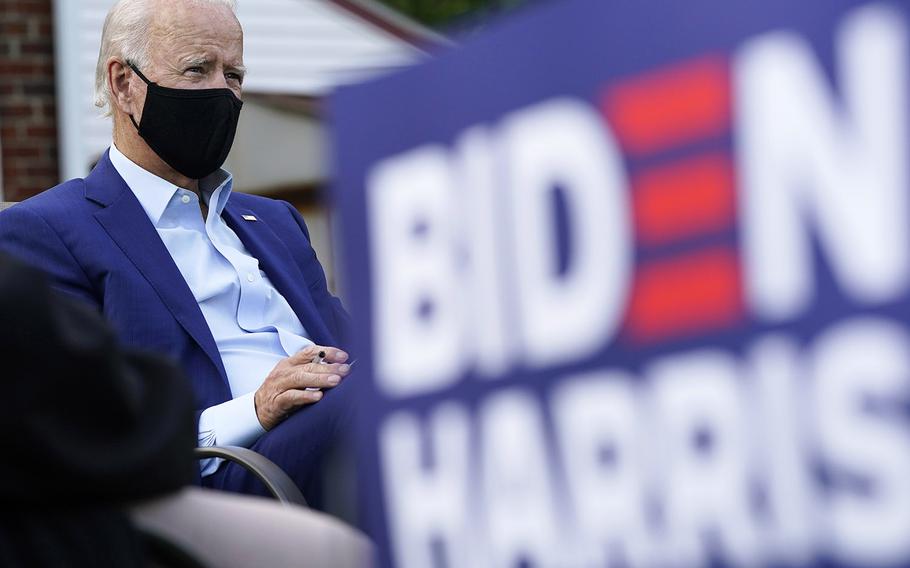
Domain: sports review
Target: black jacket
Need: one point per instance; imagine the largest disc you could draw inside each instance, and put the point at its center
(85, 428)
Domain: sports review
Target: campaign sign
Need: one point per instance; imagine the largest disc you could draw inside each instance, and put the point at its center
(632, 286)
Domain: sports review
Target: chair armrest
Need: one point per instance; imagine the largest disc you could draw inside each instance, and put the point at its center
(273, 477)
(163, 552)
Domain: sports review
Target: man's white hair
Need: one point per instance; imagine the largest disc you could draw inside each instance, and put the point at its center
(126, 35)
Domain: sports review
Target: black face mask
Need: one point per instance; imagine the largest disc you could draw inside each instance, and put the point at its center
(190, 129)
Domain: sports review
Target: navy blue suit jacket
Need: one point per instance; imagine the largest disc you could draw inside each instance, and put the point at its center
(97, 243)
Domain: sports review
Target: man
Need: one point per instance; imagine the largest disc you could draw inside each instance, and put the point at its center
(225, 283)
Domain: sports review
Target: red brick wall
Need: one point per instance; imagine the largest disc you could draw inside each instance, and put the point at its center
(28, 119)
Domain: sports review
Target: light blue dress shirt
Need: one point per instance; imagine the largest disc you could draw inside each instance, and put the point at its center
(253, 325)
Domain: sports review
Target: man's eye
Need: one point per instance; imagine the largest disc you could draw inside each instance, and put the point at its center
(199, 70)
(234, 77)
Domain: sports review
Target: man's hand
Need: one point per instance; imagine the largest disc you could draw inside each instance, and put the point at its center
(284, 390)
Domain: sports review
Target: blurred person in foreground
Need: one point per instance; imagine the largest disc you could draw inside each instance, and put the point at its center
(154, 238)
(97, 440)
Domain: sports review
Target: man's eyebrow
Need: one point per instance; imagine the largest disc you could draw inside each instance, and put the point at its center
(205, 62)
(198, 61)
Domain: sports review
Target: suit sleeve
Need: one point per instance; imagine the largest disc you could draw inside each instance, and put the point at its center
(27, 236)
(340, 323)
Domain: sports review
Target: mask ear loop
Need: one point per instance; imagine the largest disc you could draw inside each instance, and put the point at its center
(132, 66)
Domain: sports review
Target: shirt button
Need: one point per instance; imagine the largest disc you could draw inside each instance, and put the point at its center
(250, 277)
(185, 199)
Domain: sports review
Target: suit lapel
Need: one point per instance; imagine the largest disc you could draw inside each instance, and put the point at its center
(282, 270)
(126, 222)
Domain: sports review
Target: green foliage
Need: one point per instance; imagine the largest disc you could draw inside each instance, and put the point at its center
(443, 13)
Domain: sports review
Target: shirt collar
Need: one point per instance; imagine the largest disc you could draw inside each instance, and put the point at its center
(154, 193)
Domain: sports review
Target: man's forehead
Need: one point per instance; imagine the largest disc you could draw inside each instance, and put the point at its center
(196, 31)
(187, 23)
(164, 8)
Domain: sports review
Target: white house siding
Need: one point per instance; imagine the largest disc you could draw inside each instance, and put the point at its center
(307, 47)
(276, 149)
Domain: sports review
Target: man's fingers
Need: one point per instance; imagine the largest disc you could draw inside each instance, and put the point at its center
(310, 375)
(292, 399)
(300, 370)
(306, 355)
(326, 368)
(305, 378)
(311, 354)
(335, 355)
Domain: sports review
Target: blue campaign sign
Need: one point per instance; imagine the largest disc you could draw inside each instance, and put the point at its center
(632, 288)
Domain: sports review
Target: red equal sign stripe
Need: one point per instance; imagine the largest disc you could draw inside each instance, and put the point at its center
(666, 108)
(685, 296)
(689, 197)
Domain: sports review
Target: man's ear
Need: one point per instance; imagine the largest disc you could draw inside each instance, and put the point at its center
(118, 79)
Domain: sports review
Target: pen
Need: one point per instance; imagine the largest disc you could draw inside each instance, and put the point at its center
(320, 358)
